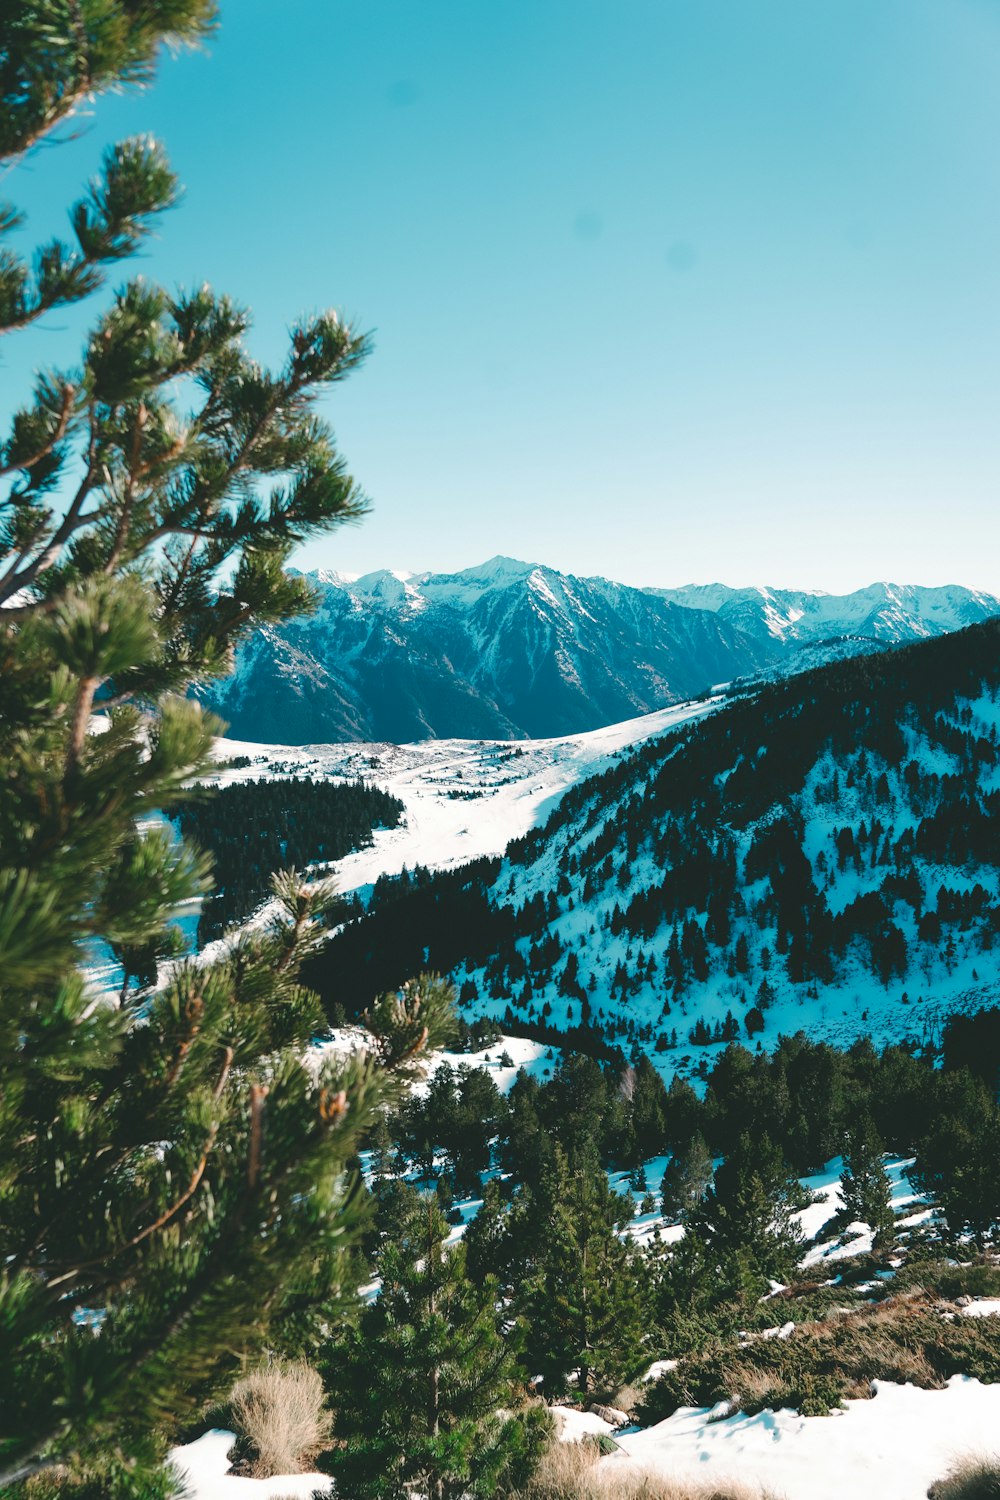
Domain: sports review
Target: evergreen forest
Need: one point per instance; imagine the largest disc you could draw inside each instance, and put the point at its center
(252, 829)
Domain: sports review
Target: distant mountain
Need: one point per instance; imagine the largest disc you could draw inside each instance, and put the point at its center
(890, 613)
(819, 854)
(512, 649)
(507, 650)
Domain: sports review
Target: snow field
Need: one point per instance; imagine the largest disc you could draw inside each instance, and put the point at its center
(888, 1448)
(983, 1307)
(515, 783)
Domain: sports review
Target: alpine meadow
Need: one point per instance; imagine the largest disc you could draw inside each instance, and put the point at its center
(499, 1029)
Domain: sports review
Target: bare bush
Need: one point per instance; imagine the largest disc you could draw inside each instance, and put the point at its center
(575, 1471)
(628, 1397)
(280, 1420)
(564, 1472)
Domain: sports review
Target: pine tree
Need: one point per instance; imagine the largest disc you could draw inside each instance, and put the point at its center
(380, 1146)
(583, 1301)
(175, 1184)
(958, 1161)
(864, 1185)
(426, 1389)
(687, 1179)
(746, 1218)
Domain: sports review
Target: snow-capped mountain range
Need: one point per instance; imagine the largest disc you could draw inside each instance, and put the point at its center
(511, 649)
(887, 612)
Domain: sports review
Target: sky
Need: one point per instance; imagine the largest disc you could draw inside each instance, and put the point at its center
(666, 290)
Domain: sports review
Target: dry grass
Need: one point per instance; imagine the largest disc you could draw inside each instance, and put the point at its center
(974, 1478)
(280, 1420)
(627, 1398)
(572, 1471)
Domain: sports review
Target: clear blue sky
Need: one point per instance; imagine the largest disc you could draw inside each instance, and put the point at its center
(669, 290)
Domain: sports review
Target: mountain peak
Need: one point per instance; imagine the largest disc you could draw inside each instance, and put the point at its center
(498, 569)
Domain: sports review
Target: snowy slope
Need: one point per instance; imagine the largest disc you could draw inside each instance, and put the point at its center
(889, 1448)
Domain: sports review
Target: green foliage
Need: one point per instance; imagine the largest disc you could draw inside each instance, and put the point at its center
(583, 1300)
(106, 1478)
(687, 1179)
(459, 1115)
(745, 1218)
(425, 1389)
(865, 1184)
(979, 1278)
(959, 1161)
(56, 53)
(177, 1185)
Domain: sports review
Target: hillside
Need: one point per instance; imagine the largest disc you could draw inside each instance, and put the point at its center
(820, 854)
(510, 650)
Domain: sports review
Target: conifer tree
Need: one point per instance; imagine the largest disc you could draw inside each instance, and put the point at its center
(864, 1185)
(687, 1179)
(489, 1245)
(583, 1301)
(426, 1389)
(958, 1161)
(746, 1218)
(174, 1182)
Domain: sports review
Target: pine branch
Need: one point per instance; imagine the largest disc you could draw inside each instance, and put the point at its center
(53, 58)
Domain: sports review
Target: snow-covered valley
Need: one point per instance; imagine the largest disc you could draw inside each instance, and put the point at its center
(463, 799)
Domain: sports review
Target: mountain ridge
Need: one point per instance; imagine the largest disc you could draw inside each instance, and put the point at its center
(519, 650)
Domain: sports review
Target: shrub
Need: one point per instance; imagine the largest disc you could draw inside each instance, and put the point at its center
(951, 1279)
(627, 1398)
(280, 1420)
(981, 1278)
(105, 1479)
(822, 1363)
(972, 1478)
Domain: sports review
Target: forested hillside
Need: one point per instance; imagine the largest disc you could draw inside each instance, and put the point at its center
(820, 854)
(253, 828)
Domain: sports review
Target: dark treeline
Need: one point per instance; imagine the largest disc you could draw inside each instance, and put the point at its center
(434, 920)
(806, 1099)
(254, 828)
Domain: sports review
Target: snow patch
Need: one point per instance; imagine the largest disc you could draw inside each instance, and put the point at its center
(204, 1466)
